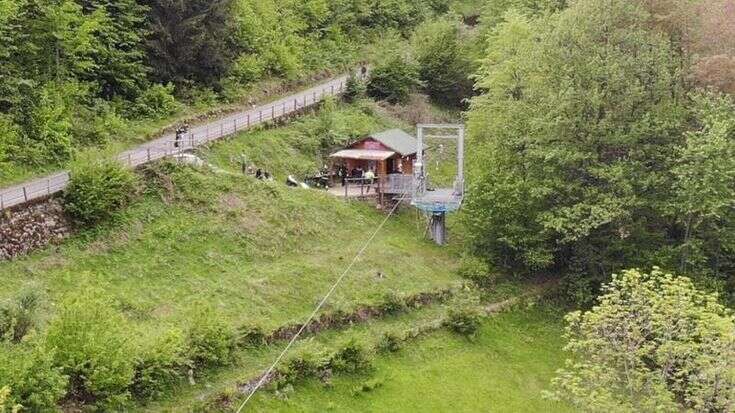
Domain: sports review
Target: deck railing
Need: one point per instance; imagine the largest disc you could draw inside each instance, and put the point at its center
(381, 185)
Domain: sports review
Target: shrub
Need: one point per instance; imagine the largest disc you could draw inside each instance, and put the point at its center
(211, 340)
(251, 336)
(464, 320)
(476, 270)
(351, 357)
(33, 381)
(97, 190)
(306, 363)
(248, 69)
(393, 80)
(156, 102)
(355, 89)
(464, 316)
(17, 318)
(90, 342)
(393, 303)
(367, 386)
(390, 343)
(160, 364)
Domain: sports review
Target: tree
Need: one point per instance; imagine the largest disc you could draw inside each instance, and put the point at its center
(704, 186)
(393, 80)
(573, 138)
(653, 343)
(190, 41)
(444, 66)
(119, 61)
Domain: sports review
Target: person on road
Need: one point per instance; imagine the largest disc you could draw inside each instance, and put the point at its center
(179, 134)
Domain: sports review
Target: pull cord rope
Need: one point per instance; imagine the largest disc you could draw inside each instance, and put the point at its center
(320, 305)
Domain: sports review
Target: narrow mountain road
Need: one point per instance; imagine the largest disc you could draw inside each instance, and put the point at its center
(167, 145)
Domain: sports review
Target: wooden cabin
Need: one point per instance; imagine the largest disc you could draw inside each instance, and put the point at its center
(385, 153)
(390, 155)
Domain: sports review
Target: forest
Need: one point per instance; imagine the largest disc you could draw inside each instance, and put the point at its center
(604, 139)
(75, 73)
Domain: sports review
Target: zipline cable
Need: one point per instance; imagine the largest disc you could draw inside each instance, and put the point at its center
(320, 305)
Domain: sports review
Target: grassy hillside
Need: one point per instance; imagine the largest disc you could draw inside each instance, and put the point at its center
(504, 369)
(258, 251)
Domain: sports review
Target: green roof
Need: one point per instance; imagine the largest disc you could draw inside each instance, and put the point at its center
(398, 141)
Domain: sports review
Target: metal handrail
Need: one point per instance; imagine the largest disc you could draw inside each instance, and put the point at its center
(167, 145)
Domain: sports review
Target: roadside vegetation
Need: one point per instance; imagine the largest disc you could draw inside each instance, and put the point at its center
(82, 74)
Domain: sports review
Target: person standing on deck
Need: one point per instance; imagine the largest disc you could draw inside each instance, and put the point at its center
(369, 178)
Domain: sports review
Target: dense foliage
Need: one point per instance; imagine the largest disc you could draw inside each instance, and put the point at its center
(593, 153)
(75, 73)
(445, 59)
(393, 80)
(97, 190)
(653, 343)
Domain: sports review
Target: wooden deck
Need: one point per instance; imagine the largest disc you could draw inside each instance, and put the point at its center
(354, 192)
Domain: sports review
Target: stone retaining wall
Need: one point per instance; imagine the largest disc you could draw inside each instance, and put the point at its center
(34, 226)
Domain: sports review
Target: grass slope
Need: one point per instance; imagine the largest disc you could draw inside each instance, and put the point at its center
(504, 370)
(260, 252)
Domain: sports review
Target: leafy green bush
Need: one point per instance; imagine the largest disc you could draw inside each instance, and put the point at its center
(248, 69)
(464, 316)
(97, 190)
(156, 102)
(18, 317)
(32, 379)
(476, 270)
(90, 342)
(393, 303)
(367, 386)
(306, 363)
(160, 364)
(393, 80)
(5, 404)
(210, 339)
(390, 343)
(351, 357)
(355, 89)
(463, 320)
(251, 336)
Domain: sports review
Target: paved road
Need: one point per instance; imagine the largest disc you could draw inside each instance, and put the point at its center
(197, 136)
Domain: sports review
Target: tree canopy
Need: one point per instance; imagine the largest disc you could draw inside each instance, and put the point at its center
(590, 146)
(652, 343)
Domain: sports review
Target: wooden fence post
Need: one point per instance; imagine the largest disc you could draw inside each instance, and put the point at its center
(25, 194)
(248, 120)
(2, 202)
(149, 154)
